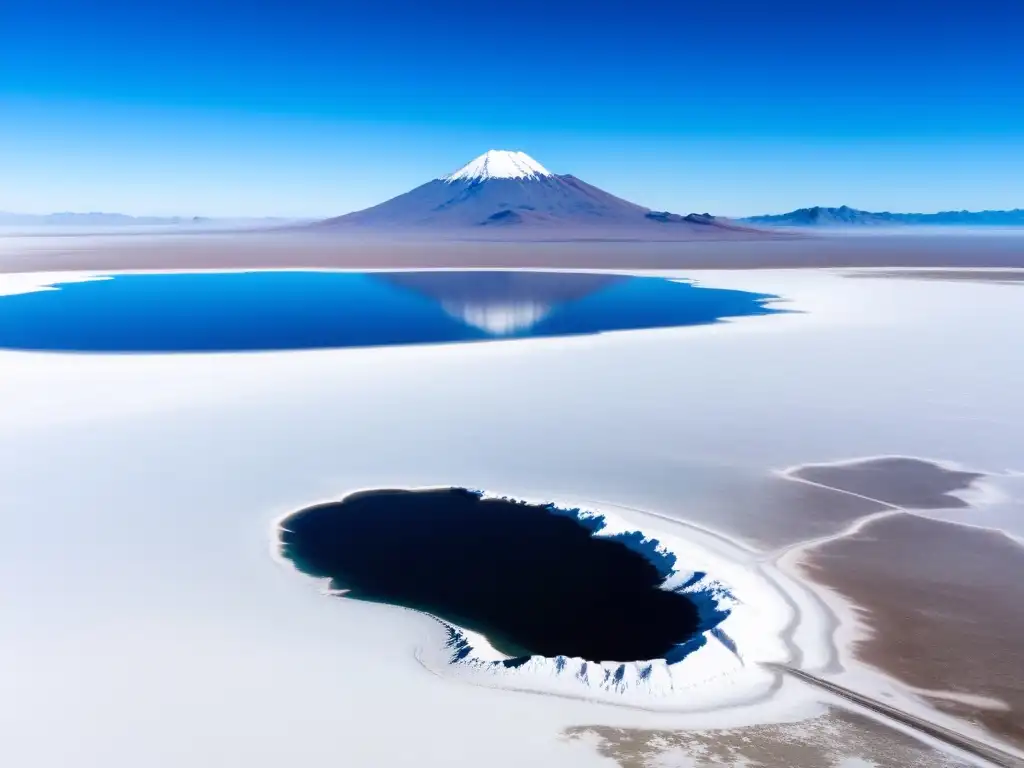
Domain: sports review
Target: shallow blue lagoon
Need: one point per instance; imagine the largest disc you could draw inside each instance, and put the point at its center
(248, 311)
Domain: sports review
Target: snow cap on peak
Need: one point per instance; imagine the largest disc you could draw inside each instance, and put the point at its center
(499, 164)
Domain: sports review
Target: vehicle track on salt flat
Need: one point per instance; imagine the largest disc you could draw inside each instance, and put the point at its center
(992, 755)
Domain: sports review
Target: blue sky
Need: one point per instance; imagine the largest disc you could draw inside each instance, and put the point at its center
(313, 108)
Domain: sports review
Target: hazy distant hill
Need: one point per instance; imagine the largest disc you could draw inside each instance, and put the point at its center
(845, 216)
(92, 219)
(99, 219)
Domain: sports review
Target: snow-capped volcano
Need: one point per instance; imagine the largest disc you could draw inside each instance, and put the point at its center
(499, 164)
(505, 191)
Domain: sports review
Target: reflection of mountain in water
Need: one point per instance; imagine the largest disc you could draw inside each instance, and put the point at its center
(501, 303)
(499, 318)
(223, 312)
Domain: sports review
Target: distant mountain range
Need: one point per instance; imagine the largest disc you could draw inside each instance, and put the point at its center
(503, 192)
(98, 219)
(845, 216)
(509, 191)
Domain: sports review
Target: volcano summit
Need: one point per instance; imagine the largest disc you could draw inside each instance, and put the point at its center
(509, 191)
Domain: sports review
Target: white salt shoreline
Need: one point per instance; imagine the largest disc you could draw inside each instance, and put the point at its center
(761, 624)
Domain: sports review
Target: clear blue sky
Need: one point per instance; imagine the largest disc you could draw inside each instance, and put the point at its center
(319, 108)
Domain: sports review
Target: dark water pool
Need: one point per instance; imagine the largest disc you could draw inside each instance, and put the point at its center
(220, 312)
(532, 578)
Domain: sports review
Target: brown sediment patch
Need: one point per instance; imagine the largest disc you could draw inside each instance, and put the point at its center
(899, 481)
(778, 512)
(1005, 277)
(828, 741)
(943, 605)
